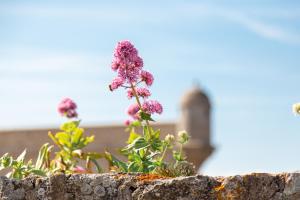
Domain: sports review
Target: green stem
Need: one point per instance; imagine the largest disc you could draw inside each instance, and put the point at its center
(180, 152)
(164, 153)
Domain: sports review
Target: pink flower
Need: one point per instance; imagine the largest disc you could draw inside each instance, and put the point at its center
(80, 170)
(142, 92)
(133, 110)
(127, 122)
(130, 73)
(152, 106)
(117, 82)
(71, 114)
(125, 51)
(67, 107)
(147, 77)
(115, 65)
(130, 93)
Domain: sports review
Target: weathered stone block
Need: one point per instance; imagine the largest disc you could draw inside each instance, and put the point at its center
(256, 186)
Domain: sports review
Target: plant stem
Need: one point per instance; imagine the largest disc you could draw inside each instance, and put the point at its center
(138, 101)
(164, 153)
(180, 153)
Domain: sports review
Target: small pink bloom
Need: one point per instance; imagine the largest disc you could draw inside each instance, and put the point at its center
(115, 65)
(129, 93)
(133, 109)
(80, 170)
(67, 107)
(147, 77)
(71, 114)
(117, 82)
(138, 62)
(143, 92)
(127, 122)
(125, 50)
(152, 106)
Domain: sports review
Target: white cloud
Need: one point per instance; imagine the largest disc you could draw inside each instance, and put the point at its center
(248, 20)
(28, 60)
(263, 29)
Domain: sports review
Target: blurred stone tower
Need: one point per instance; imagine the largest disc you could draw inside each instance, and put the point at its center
(195, 119)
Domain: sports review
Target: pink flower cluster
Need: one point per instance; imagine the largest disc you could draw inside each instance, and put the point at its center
(117, 82)
(147, 77)
(133, 110)
(129, 67)
(127, 62)
(67, 107)
(142, 92)
(152, 106)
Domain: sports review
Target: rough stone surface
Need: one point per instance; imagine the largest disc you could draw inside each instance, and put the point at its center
(256, 186)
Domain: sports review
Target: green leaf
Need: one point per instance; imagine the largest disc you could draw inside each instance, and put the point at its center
(134, 167)
(77, 134)
(138, 143)
(132, 137)
(136, 123)
(5, 161)
(135, 157)
(99, 169)
(152, 155)
(146, 116)
(142, 153)
(64, 139)
(146, 133)
(156, 134)
(94, 155)
(21, 157)
(43, 156)
(38, 172)
(88, 140)
(113, 161)
(69, 126)
(177, 156)
(157, 144)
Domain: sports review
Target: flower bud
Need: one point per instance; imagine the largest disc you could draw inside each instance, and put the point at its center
(183, 137)
(296, 108)
(169, 138)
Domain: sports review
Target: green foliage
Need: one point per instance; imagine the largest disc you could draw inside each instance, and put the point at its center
(146, 152)
(18, 167)
(70, 141)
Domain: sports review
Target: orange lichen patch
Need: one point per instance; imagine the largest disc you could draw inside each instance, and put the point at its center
(119, 176)
(150, 177)
(219, 188)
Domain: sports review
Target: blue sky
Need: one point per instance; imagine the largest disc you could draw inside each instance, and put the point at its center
(244, 54)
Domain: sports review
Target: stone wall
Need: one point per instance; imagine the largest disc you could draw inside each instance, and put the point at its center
(137, 186)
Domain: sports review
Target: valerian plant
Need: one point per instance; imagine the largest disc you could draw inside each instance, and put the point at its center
(70, 141)
(145, 152)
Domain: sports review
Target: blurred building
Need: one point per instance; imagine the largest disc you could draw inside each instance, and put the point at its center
(194, 118)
